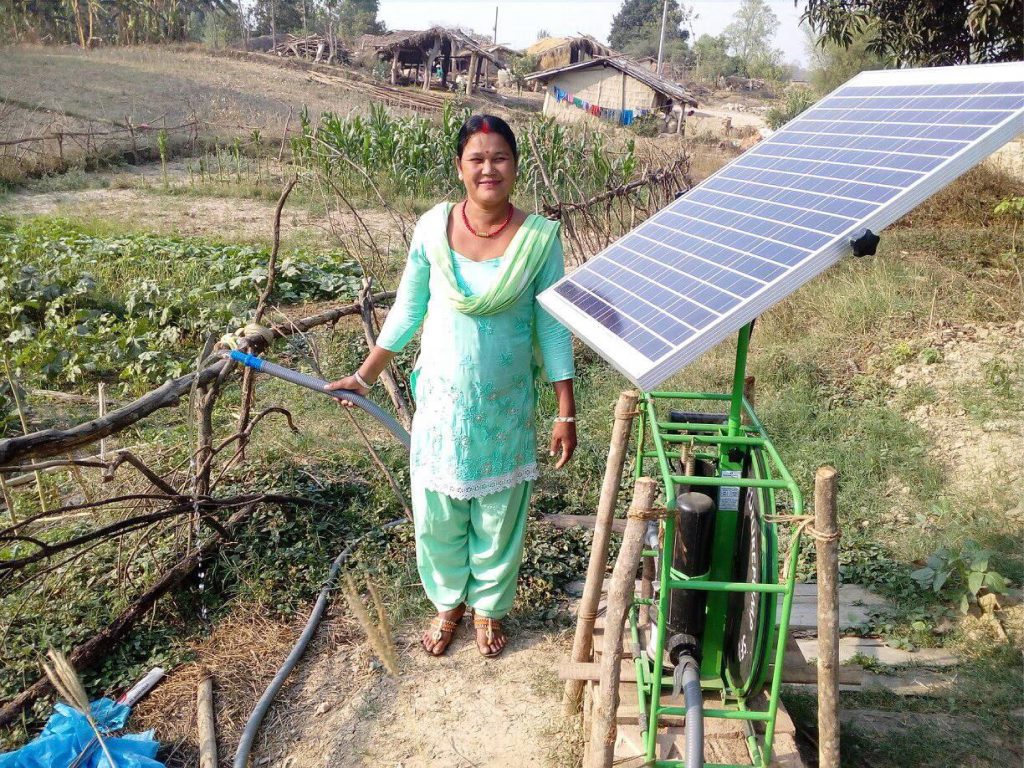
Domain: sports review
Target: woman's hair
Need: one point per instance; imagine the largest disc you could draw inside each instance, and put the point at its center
(486, 124)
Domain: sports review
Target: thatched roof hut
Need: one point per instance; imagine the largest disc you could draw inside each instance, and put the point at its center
(552, 52)
(452, 49)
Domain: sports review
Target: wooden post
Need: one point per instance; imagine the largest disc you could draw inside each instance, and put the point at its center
(24, 430)
(625, 410)
(101, 394)
(207, 723)
(471, 74)
(8, 501)
(620, 596)
(394, 69)
(827, 549)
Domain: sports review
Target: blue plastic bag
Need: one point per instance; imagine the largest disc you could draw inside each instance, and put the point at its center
(68, 733)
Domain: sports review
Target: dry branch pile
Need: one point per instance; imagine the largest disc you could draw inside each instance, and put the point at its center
(406, 98)
(590, 225)
(315, 48)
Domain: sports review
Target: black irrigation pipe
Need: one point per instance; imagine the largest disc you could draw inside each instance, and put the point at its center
(252, 725)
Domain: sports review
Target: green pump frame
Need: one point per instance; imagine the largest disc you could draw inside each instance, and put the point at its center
(771, 477)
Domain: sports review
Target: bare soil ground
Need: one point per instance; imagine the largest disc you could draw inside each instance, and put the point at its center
(134, 195)
(978, 445)
(340, 709)
(459, 710)
(152, 84)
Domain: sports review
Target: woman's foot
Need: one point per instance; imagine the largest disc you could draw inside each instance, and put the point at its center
(438, 636)
(490, 637)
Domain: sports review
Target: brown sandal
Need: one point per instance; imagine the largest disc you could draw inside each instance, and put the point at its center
(441, 627)
(490, 624)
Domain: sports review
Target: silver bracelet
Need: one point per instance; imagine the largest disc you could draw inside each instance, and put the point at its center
(362, 382)
(565, 419)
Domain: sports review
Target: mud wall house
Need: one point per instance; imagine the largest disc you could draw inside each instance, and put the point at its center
(430, 56)
(611, 90)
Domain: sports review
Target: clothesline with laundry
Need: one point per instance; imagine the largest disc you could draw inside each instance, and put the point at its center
(623, 116)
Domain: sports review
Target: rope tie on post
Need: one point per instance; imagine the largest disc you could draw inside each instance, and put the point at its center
(655, 513)
(803, 526)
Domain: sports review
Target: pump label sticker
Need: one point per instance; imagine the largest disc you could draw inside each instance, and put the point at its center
(729, 496)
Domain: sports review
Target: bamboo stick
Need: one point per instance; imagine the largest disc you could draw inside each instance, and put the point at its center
(826, 542)
(101, 394)
(582, 643)
(206, 723)
(24, 430)
(620, 597)
(9, 501)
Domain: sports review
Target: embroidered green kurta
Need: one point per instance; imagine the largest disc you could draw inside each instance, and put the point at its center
(474, 431)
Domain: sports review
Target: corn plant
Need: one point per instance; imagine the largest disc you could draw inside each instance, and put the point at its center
(414, 157)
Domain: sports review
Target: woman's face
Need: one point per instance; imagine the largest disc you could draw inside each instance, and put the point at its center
(487, 168)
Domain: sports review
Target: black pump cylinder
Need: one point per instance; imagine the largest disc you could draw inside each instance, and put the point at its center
(691, 555)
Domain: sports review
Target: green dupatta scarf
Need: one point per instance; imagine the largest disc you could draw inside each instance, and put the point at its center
(525, 255)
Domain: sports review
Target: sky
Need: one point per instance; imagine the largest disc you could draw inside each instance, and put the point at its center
(519, 20)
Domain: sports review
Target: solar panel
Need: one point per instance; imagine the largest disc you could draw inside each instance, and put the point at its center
(755, 231)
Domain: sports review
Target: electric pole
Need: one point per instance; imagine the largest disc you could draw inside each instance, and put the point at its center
(661, 43)
(495, 25)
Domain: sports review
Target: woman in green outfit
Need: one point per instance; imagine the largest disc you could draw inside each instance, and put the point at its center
(471, 280)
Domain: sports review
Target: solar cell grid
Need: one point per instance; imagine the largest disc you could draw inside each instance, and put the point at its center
(782, 212)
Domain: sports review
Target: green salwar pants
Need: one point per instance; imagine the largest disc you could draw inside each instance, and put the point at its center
(469, 550)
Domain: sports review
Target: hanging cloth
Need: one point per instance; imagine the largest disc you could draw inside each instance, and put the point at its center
(526, 254)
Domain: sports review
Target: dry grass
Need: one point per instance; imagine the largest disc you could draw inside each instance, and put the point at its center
(153, 83)
(967, 202)
(243, 653)
(47, 88)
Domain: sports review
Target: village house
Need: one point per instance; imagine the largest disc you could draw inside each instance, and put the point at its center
(433, 56)
(612, 89)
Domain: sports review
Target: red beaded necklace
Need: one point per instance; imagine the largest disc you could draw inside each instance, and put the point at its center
(465, 220)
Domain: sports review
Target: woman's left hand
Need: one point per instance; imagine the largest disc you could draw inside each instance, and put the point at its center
(563, 438)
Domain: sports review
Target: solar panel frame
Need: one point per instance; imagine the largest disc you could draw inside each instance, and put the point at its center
(599, 329)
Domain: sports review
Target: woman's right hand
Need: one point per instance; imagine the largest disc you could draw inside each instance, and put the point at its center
(349, 383)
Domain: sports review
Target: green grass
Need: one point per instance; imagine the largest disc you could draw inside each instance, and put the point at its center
(971, 723)
(997, 392)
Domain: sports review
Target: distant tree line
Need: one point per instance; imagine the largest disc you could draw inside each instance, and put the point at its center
(844, 36)
(743, 48)
(89, 23)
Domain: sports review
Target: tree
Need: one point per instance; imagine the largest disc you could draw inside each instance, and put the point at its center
(542, 33)
(832, 64)
(359, 17)
(276, 17)
(639, 22)
(712, 60)
(923, 32)
(111, 21)
(749, 37)
(518, 68)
